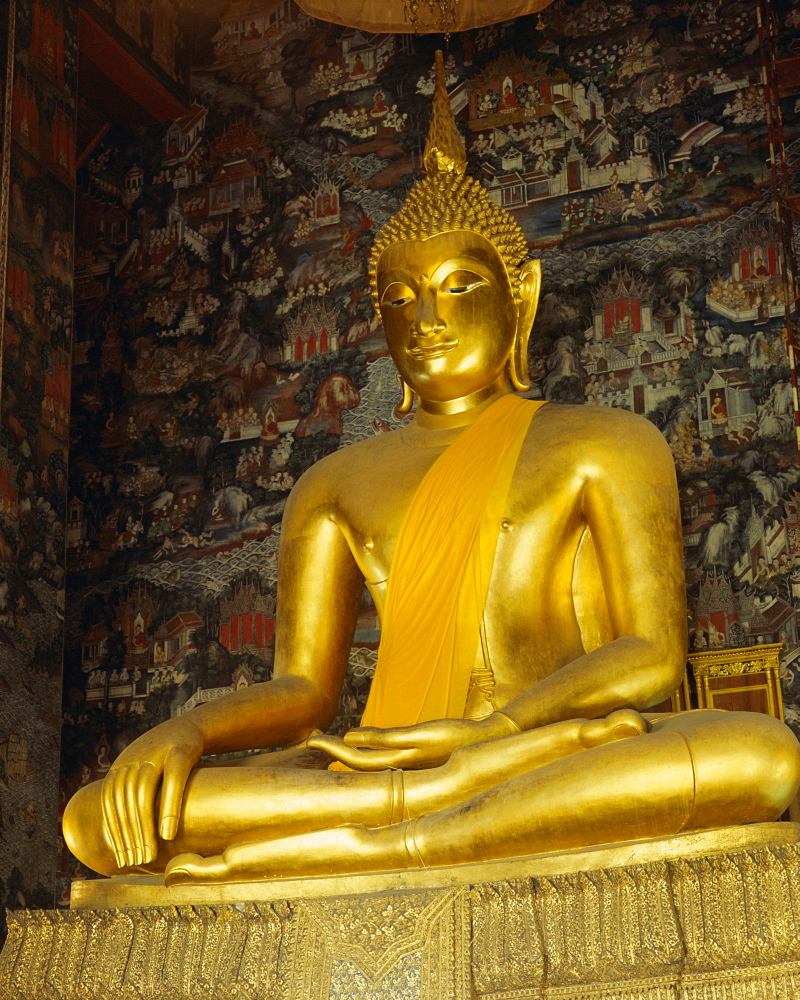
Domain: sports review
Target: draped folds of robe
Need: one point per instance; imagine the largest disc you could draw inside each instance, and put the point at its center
(430, 631)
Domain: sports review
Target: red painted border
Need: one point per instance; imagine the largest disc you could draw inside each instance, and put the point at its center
(125, 72)
(788, 72)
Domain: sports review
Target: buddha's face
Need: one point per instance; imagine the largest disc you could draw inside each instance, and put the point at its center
(449, 313)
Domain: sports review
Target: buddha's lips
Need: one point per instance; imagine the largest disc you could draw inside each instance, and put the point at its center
(433, 350)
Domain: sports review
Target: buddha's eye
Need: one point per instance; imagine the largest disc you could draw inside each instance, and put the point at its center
(397, 294)
(460, 282)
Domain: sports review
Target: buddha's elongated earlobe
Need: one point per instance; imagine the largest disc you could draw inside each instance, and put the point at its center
(526, 299)
(518, 365)
(405, 404)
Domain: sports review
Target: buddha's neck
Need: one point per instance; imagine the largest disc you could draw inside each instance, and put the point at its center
(435, 415)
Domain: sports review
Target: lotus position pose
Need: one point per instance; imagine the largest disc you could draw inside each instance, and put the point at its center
(526, 562)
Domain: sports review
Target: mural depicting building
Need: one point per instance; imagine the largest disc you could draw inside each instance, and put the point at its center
(728, 617)
(564, 126)
(754, 290)
(314, 330)
(184, 135)
(248, 23)
(634, 347)
(726, 405)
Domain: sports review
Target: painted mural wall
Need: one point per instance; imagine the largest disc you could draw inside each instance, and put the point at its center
(36, 249)
(226, 340)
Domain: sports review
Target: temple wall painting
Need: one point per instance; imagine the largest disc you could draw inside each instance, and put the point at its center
(38, 60)
(226, 338)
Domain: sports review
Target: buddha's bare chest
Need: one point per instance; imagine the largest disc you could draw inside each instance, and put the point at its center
(537, 529)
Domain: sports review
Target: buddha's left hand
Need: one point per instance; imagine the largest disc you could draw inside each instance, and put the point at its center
(427, 744)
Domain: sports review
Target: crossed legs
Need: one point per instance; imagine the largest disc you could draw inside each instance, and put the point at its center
(691, 771)
(226, 806)
(568, 785)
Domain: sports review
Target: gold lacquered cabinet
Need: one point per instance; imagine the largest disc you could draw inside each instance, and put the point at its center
(740, 680)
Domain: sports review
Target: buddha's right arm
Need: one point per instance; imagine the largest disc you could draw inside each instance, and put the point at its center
(319, 591)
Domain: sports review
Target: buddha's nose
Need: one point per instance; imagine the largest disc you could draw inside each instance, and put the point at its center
(427, 322)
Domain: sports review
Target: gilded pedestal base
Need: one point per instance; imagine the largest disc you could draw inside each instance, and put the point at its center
(724, 925)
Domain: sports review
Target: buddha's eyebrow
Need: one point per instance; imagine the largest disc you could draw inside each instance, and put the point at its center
(394, 273)
(463, 262)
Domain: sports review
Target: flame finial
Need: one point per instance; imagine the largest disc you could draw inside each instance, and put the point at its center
(444, 148)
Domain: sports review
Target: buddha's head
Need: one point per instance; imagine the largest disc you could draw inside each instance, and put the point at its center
(451, 279)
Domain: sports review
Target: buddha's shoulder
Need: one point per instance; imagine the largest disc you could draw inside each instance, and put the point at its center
(342, 470)
(587, 428)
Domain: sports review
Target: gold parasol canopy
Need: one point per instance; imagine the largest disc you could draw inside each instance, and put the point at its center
(420, 15)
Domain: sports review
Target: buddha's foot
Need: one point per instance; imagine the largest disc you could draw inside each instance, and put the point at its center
(332, 851)
(184, 869)
(619, 725)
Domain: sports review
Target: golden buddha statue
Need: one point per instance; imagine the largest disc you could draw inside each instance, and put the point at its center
(526, 563)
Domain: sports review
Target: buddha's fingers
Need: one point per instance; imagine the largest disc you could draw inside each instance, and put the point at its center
(118, 793)
(428, 744)
(360, 760)
(132, 814)
(115, 811)
(177, 769)
(373, 738)
(111, 821)
(146, 790)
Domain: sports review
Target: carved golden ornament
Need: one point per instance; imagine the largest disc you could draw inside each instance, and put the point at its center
(735, 662)
(443, 13)
(732, 669)
(719, 926)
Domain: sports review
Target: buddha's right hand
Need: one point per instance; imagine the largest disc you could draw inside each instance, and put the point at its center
(163, 758)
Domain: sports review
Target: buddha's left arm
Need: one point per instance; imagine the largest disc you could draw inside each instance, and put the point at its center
(630, 504)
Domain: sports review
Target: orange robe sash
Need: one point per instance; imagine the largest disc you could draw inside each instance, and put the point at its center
(440, 572)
